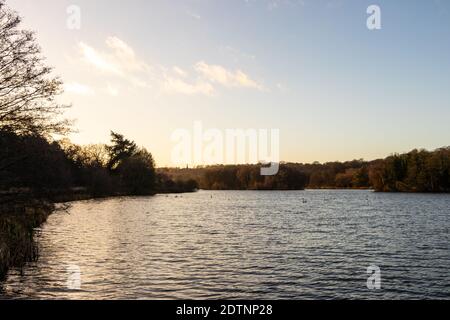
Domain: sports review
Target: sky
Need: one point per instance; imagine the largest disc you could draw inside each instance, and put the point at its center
(310, 68)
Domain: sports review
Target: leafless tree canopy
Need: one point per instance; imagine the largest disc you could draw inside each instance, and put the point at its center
(27, 89)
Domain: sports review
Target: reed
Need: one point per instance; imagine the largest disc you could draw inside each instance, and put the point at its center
(17, 224)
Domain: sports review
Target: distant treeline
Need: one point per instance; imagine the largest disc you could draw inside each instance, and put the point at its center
(32, 163)
(240, 177)
(416, 171)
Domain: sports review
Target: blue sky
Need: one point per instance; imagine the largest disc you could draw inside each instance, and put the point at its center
(336, 90)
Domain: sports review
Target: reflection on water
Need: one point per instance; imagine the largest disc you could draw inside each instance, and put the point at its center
(242, 244)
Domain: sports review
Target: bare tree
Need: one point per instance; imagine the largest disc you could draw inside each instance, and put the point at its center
(27, 88)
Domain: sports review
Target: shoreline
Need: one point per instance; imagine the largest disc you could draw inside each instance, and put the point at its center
(17, 225)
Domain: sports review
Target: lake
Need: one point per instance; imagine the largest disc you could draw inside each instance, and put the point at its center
(314, 244)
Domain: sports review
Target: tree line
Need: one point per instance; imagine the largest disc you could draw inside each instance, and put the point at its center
(415, 171)
(32, 163)
(240, 177)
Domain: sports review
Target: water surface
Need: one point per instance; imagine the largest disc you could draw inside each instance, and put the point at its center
(243, 245)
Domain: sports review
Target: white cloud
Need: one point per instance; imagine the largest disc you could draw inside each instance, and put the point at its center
(122, 62)
(219, 74)
(113, 91)
(174, 85)
(125, 56)
(98, 60)
(120, 46)
(179, 71)
(78, 88)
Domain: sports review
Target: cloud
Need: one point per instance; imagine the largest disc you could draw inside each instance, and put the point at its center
(98, 60)
(193, 15)
(281, 87)
(120, 47)
(121, 61)
(227, 78)
(77, 88)
(113, 91)
(174, 85)
(179, 71)
(125, 56)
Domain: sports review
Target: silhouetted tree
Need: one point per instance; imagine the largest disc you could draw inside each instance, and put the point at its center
(119, 150)
(137, 173)
(30, 161)
(27, 89)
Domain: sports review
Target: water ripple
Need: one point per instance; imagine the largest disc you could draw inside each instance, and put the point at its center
(243, 245)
